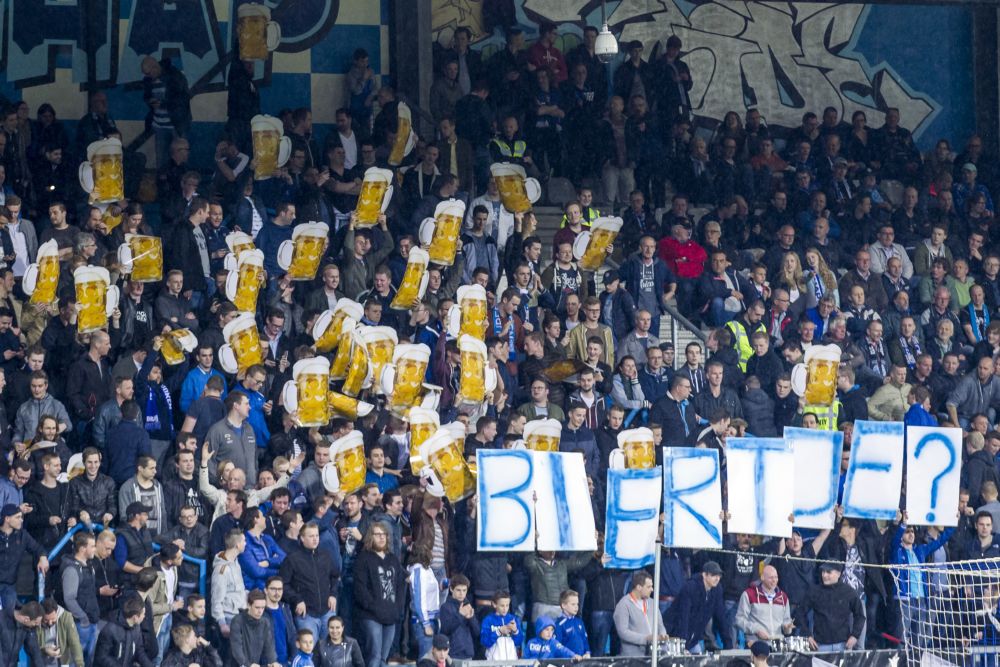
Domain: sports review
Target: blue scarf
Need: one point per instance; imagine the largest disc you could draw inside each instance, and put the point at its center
(974, 319)
(498, 327)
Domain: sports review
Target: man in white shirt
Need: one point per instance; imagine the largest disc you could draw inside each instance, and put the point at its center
(886, 248)
(23, 236)
(348, 139)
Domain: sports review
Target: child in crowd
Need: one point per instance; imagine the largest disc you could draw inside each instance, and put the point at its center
(500, 633)
(570, 631)
(457, 619)
(544, 645)
(305, 642)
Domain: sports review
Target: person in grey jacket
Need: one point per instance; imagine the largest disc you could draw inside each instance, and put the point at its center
(976, 393)
(637, 617)
(229, 593)
(40, 403)
(251, 638)
(360, 260)
(639, 339)
(110, 412)
(232, 439)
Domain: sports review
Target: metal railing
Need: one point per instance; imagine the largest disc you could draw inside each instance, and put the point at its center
(677, 319)
(54, 552)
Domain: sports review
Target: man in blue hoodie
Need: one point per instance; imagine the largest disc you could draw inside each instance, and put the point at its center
(919, 413)
(911, 583)
(271, 236)
(544, 645)
(570, 631)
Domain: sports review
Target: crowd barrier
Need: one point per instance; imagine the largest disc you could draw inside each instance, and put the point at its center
(874, 658)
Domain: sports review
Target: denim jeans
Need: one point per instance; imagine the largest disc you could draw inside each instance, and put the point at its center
(88, 640)
(831, 648)
(315, 623)
(735, 635)
(377, 641)
(8, 596)
(162, 638)
(914, 621)
(601, 624)
(717, 313)
(422, 640)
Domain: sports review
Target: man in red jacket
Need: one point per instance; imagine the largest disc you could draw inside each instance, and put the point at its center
(684, 256)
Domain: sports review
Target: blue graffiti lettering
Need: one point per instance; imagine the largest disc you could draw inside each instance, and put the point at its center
(673, 495)
(618, 481)
(159, 28)
(35, 27)
(512, 494)
(952, 458)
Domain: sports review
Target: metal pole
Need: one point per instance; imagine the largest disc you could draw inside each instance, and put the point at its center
(654, 649)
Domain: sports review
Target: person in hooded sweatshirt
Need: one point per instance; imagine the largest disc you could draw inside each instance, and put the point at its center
(544, 645)
(379, 593)
(251, 640)
(758, 409)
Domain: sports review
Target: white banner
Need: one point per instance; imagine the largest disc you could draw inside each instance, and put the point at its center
(933, 472)
(692, 498)
(633, 517)
(815, 494)
(875, 474)
(761, 492)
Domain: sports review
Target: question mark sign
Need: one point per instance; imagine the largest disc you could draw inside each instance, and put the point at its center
(928, 439)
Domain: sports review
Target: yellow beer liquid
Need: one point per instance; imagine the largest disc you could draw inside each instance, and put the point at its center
(246, 348)
(307, 252)
(597, 249)
(108, 183)
(472, 385)
(147, 258)
(338, 367)
(110, 219)
(248, 287)
(351, 469)
(399, 146)
(639, 455)
(380, 353)
(48, 280)
(821, 382)
(449, 465)
(542, 443)
(513, 195)
(265, 151)
(240, 247)
(252, 35)
(444, 242)
(172, 351)
(370, 202)
(314, 406)
(91, 297)
(409, 382)
(474, 320)
(342, 405)
(409, 288)
(356, 372)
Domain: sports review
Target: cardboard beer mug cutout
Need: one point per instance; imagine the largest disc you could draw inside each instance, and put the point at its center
(238, 242)
(406, 138)
(96, 298)
(345, 349)
(470, 314)
(112, 216)
(305, 395)
(380, 343)
(441, 233)
(635, 450)
(591, 246)
(359, 368)
(477, 378)
(102, 175)
(432, 397)
(403, 379)
(414, 284)
(271, 149)
(543, 435)
(445, 466)
(376, 193)
(345, 473)
(816, 377)
(243, 285)
(517, 192)
(142, 258)
(423, 424)
(41, 279)
(328, 328)
(177, 344)
(346, 406)
(256, 33)
(242, 348)
(301, 255)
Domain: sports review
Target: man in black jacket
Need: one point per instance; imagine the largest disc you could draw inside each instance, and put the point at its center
(699, 601)
(184, 252)
(120, 641)
(838, 615)
(251, 640)
(14, 542)
(676, 414)
(311, 580)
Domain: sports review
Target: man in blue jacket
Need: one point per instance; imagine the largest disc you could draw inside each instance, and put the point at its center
(272, 235)
(911, 582)
(699, 601)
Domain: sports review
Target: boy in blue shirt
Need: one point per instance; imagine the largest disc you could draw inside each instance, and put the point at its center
(500, 633)
(570, 630)
(544, 646)
(377, 473)
(305, 642)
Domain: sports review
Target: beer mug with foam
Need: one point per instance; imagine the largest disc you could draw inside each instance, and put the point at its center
(177, 344)
(346, 406)
(142, 257)
(243, 285)
(441, 233)
(329, 325)
(423, 424)
(271, 149)
(242, 348)
(238, 242)
(543, 435)
(414, 283)
(470, 314)
(376, 192)
(41, 279)
(257, 34)
(96, 298)
(445, 464)
(301, 255)
(472, 385)
(405, 139)
(635, 450)
(591, 247)
(403, 379)
(517, 192)
(306, 395)
(102, 175)
(345, 473)
(359, 367)
(816, 377)
(345, 349)
(380, 343)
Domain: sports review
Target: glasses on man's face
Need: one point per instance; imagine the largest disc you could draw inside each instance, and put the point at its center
(379, 535)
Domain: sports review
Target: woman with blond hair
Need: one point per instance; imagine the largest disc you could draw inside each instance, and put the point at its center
(820, 281)
(791, 278)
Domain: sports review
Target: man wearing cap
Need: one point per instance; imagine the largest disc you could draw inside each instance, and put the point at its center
(698, 602)
(838, 615)
(135, 543)
(14, 542)
(637, 617)
(967, 187)
(760, 651)
(839, 192)
(617, 305)
(438, 655)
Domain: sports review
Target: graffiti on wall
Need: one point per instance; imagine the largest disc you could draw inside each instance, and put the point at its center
(784, 58)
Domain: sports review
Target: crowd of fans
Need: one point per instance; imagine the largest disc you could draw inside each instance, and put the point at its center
(829, 233)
